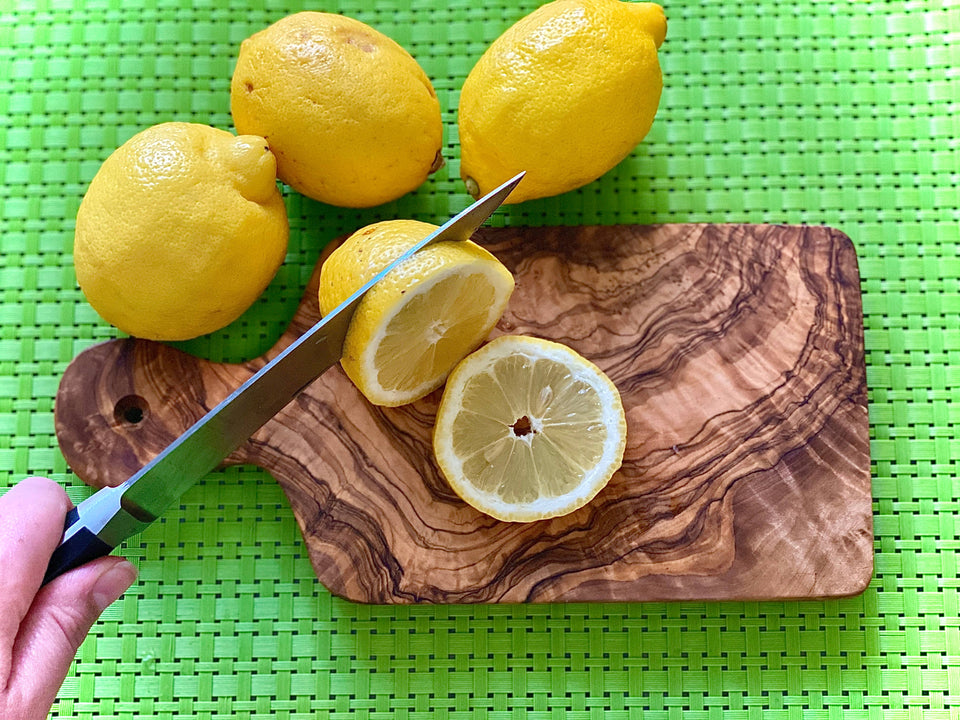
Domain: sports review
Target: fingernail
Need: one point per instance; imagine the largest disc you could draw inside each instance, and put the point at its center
(112, 584)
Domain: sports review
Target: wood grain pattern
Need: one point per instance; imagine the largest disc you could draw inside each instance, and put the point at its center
(738, 350)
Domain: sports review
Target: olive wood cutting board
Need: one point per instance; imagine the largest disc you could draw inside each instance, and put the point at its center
(738, 351)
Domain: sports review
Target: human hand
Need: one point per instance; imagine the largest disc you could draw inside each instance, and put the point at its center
(41, 628)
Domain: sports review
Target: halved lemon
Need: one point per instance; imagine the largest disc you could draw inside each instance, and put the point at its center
(528, 429)
(422, 318)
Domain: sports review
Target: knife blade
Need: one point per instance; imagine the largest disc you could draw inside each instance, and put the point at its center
(111, 515)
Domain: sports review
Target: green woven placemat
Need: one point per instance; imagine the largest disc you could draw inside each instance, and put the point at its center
(841, 113)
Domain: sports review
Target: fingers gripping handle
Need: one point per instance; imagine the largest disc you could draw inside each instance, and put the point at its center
(80, 547)
(93, 529)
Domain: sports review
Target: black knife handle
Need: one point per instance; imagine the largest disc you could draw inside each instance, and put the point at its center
(82, 547)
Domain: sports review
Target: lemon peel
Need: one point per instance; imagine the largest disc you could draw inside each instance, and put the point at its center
(353, 119)
(565, 94)
(180, 230)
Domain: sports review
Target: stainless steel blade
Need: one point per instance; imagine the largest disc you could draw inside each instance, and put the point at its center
(159, 484)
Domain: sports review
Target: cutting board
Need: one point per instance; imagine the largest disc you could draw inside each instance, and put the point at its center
(738, 351)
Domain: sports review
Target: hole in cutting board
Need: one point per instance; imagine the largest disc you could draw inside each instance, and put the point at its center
(131, 410)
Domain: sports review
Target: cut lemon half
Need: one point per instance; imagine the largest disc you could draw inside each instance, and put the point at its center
(422, 318)
(528, 429)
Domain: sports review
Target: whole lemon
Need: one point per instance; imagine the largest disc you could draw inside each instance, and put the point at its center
(180, 230)
(352, 118)
(565, 94)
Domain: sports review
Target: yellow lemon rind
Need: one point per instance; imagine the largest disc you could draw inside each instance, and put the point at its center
(180, 231)
(565, 94)
(352, 117)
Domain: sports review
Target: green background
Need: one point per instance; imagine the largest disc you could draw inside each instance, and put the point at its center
(842, 113)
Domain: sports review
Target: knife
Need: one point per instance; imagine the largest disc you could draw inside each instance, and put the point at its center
(112, 514)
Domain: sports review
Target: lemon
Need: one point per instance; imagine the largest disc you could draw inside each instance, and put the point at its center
(180, 230)
(528, 429)
(566, 93)
(422, 318)
(352, 118)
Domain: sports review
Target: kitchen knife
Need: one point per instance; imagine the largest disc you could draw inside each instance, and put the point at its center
(112, 514)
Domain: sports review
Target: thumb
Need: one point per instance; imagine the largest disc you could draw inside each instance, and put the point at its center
(58, 621)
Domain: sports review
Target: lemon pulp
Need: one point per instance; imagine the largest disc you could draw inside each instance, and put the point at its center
(410, 349)
(529, 429)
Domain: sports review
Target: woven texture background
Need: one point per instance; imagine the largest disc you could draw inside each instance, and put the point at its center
(840, 113)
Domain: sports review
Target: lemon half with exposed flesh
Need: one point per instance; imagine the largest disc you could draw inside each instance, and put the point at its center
(422, 318)
(528, 429)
